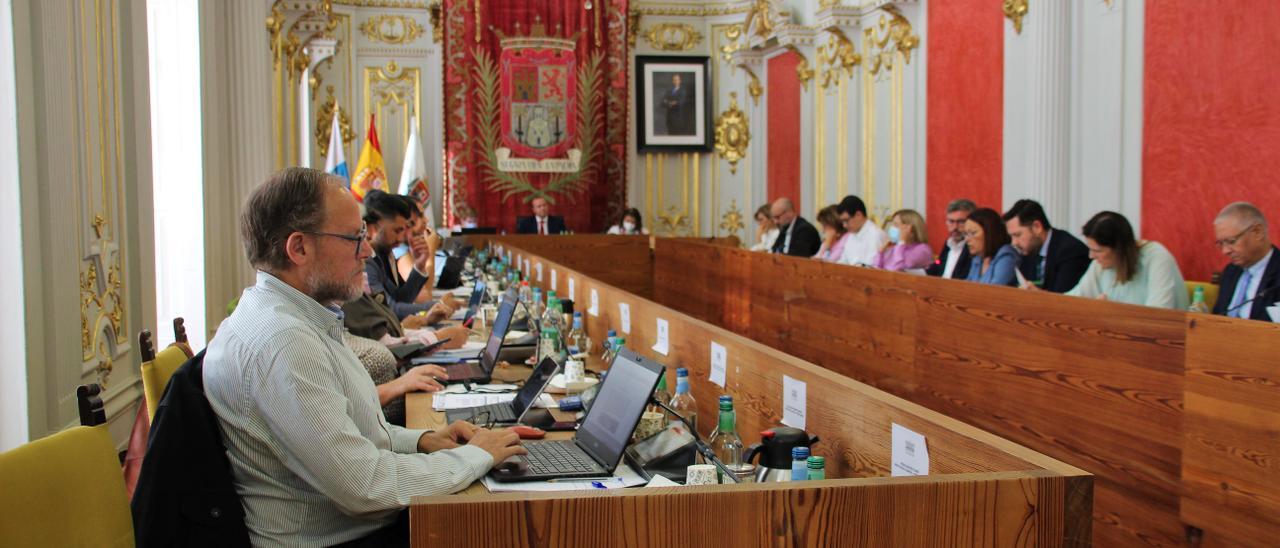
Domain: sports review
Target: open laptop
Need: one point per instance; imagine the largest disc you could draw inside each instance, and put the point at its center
(480, 372)
(477, 295)
(597, 447)
(508, 412)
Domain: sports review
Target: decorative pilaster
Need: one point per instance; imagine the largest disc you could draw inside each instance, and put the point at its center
(1037, 112)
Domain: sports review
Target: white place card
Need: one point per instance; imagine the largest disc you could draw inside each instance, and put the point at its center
(719, 363)
(537, 267)
(910, 453)
(595, 303)
(793, 402)
(624, 310)
(663, 346)
(553, 283)
(571, 291)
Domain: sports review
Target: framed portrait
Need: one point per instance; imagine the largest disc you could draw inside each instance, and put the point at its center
(673, 103)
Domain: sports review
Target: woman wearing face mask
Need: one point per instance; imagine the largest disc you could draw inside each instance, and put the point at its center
(908, 244)
(834, 235)
(1128, 270)
(766, 230)
(631, 224)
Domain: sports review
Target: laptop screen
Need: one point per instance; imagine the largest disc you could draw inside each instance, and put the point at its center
(623, 396)
(476, 294)
(489, 357)
(534, 384)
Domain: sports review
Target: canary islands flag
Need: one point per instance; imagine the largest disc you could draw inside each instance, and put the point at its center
(370, 171)
(336, 161)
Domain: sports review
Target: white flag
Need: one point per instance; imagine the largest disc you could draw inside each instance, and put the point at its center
(413, 178)
(336, 161)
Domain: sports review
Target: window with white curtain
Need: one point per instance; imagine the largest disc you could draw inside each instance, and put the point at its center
(13, 333)
(177, 166)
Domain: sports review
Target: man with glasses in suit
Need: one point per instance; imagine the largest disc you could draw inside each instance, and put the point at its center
(1251, 281)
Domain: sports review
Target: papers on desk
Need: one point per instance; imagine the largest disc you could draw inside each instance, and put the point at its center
(469, 351)
(623, 477)
(1274, 312)
(445, 402)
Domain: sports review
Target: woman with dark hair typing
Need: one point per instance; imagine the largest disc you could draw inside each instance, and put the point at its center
(1126, 269)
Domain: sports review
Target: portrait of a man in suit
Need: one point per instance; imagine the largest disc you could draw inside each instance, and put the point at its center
(678, 107)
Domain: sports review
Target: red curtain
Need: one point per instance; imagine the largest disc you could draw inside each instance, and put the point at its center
(589, 200)
(784, 128)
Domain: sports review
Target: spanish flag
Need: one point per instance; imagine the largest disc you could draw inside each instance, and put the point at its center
(370, 171)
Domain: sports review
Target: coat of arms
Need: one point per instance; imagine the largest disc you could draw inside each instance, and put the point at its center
(538, 87)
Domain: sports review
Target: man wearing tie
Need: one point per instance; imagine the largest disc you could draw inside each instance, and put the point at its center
(1251, 282)
(541, 222)
(1052, 259)
(678, 102)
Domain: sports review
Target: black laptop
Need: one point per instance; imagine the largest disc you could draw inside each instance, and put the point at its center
(477, 296)
(597, 447)
(509, 412)
(480, 371)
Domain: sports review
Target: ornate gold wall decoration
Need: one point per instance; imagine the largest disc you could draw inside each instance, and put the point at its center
(324, 124)
(836, 59)
(706, 10)
(760, 19)
(1015, 10)
(436, 13)
(410, 4)
(890, 36)
(824, 4)
(804, 72)
(673, 37)
(731, 35)
(732, 134)
(754, 89)
(391, 29)
(393, 90)
(732, 220)
(633, 27)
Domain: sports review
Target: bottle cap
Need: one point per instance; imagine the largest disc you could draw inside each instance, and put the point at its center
(727, 398)
(681, 372)
(577, 314)
(726, 405)
(613, 332)
(800, 453)
(816, 462)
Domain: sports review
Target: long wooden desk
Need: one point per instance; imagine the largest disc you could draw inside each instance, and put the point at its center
(982, 490)
(1177, 415)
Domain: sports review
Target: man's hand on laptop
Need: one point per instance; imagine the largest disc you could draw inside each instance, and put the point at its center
(500, 444)
(421, 379)
(456, 334)
(438, 312)
(450, 301)
(448, 437)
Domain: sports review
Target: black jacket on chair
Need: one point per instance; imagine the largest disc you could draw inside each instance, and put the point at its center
(805, 241)
(186, 495)
(1066, 263)
(1270, 284)
(529, 225)
(960, 272)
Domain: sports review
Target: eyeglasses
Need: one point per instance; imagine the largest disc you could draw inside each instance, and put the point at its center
(971, 234)
(956, 221)
(359, 238)
(1232, 241)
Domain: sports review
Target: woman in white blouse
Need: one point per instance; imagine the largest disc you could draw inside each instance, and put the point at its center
(631, 224)
(766, 230)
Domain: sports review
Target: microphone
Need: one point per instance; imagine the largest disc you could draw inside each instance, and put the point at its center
(1260, 294)
(697, 441)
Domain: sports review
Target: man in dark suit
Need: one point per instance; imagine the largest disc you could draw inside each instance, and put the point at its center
(954, 260)
(387, 221)
(678, 103)
(1054, 258)
(796, 236)
(1251, 282)
(541, 222)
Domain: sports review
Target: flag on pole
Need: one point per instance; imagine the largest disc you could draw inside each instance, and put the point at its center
(370, 171)
(413, 178)
(336, 161)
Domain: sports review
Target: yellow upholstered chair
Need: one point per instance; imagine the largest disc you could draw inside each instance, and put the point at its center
(157, 368)
(1210, 292)
(64, 490)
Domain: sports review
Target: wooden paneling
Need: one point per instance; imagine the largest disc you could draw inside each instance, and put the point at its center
(1095, 384)
(1000, 509)
(1231, 450)
(623, 261)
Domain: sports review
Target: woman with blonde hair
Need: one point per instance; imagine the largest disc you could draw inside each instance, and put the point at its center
(908, 247)
(766, 230)
(834, 235)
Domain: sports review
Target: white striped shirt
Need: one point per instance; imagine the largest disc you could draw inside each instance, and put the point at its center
(313, 458)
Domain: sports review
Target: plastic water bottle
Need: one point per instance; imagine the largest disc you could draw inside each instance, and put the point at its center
(817, 468)
(1197, 301)
(683, 402)
(799, 463)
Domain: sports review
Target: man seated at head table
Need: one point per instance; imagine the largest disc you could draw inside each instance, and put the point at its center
(1127, 270)
(994, 259)
(1250, 283)
(866, 239)
(542, 222)
(953, 261)
(386, 219)
(1053, 260)
(312, 456)
(796, 236)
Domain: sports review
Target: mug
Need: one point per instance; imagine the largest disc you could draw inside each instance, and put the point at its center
(573, 371)
(650, 423)
(700, 474)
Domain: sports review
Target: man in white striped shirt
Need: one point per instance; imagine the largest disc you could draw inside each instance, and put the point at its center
(313, 458)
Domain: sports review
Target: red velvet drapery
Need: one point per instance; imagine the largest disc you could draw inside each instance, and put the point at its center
(589, 200)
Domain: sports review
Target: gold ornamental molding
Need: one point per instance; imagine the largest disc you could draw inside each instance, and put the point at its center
(685, 10)
(399, 4)
(732, 220)
(324, 124)
(804, 72)
(1015, 10)
(436, 13)
(393, 90)
(673, 37)
(836, 59)
(763, 18)
(754, 89)
(732, 134)
(892, 35)
(391, 29)
(731, 35)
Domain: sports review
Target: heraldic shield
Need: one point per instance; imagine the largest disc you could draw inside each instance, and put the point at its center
(538, 87)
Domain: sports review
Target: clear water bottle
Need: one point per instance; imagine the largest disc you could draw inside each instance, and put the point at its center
(609, 340)
(725, 442)
(683, 402)
(579, 344)
(549, 345)
(799, 463)
(661, 394)
(1197, 301)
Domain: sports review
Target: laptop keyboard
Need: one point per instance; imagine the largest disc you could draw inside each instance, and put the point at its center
(558, 457)
(462, 371)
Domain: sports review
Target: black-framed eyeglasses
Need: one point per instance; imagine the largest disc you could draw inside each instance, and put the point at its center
(358, 238)
(1232, 241)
